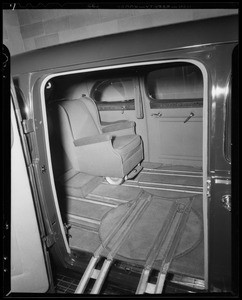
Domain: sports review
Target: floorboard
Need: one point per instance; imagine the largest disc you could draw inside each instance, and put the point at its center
(86, 214)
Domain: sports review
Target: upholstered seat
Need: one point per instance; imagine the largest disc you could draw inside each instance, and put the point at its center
(113, 150)
(126, 145)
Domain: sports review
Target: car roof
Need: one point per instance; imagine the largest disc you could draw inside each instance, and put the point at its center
(128, 44)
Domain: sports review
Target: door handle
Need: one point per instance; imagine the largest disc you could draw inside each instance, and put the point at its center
(189, 117)
(158, 115)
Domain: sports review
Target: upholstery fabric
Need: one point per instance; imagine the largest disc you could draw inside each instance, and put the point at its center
(92, 139)
(81, 120)
(118, 126)
(125, 145)
(77, 126)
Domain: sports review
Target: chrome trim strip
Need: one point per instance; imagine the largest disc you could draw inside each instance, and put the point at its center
(223, 181)
(163, 189)
(171, 174)
(174, 171)
(189, 281)
(165, 184)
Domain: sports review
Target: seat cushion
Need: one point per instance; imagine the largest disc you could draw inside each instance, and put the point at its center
(125, 145)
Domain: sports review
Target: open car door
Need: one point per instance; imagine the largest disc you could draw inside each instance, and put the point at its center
(30, 271)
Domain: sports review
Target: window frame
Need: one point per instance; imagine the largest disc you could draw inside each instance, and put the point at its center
(232, 90)
(228, 123)
(103, 81)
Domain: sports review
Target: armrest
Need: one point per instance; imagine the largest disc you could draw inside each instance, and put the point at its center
(105, 123)
(89, 140)
(118, 126)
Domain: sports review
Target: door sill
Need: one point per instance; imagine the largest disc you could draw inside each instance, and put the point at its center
(189, 282)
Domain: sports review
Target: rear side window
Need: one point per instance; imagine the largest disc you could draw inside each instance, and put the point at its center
(113, 90)
(176, 82)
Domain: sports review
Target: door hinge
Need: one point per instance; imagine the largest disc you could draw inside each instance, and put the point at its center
(67, 227)
(226, 201)
(28, 125)
(49, 240)
(208, 187)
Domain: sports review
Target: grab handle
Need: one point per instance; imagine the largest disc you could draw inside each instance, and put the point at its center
(189, 117)
(158, 115)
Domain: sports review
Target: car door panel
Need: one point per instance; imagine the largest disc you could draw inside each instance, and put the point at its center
(28, 265)
(174, 113)
(171, 140)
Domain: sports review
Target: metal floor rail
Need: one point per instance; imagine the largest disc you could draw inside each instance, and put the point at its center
(178, 223)
(117, 235)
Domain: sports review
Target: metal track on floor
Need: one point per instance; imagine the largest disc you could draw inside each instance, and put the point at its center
(179, 220)
(117, 235)
(172, 187)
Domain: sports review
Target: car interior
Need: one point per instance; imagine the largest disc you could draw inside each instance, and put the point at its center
(127, 155)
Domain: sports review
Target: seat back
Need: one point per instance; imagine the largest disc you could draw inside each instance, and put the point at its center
(83, 117)
(72, 120)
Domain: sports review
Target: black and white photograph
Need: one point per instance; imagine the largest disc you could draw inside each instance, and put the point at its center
(120, 149)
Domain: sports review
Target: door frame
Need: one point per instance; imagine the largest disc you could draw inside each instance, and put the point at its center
(21, 262)
(205, 155)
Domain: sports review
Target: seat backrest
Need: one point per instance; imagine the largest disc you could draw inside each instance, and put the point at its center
(72, 120)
